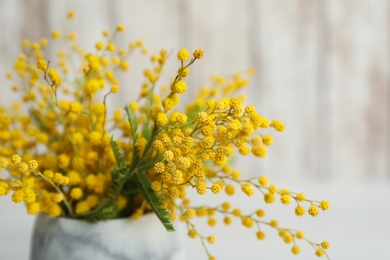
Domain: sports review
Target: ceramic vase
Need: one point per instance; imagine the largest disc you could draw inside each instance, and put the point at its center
(119, 239)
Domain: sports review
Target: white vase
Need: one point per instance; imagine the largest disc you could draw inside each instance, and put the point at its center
(124, 239)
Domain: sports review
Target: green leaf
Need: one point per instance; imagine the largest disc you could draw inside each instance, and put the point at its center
(134, 128)
(154, 201)
(149, 104)
(106, 209)
(115, 150)
(147, 133)
(133, 122)
(120, 173)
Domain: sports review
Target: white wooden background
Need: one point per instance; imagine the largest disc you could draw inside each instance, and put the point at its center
(323, 67)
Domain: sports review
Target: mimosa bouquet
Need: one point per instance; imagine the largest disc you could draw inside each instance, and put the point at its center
(63, 153)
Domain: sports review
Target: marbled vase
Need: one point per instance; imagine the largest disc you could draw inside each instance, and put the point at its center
(124, 239)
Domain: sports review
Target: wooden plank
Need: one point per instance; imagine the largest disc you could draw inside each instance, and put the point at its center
(322, 66)
(7, 40)
(220, 28)
(288, 38)
(156, 23)
(323, 97)
(388, 97)
(357, 57)
(14, 28)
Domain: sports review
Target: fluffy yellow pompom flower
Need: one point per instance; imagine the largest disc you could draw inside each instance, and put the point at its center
(268, 140)
(198, 54)
(300, 210)
(272, 189)
(184, 72)
(229, 189)
(285, 199)
(227, 220)
(279, 126)
(63, 160)
(120, 27)
(274, 223)
(4, 188)
(23, 167)
(93, 61)
(56, 34)
(190, 213)
(179, 87)
(70, 14)
(183, 55)
(216, 188)
(82, 207)
(54, 77)
(325, 245)
(247, 189)
(226, 206)
(250, 110)
(122, 202)
(236, 212)
(300, 197)
(57, 197)
(260, 213)
(211, 239)
(260, 235)
(159, 167)
(236, 174)
(99, 45)
(33, 208)
(263, 180)
(167, 103)
(60, 179)
(324, 205)
(299, 234)
(3, 162)
(33, 164)
(76, 193)
(269, 197)
(202, 117)
(201, 187)
(75, 107)
(18, 196)
(248, 222)
(72, 36)
(295, 250)
(192, 233)
(105, 33)
(114, 88)
(16, 159)
(161, 118)
(313, 210)
(42, 65)
(169, 155)
(259, 151)
(110, 47)
(320, 252)
(174, 192)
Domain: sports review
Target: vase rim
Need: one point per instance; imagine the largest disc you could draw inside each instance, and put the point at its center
(69, 219)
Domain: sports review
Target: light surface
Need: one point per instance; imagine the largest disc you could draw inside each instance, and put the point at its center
(356, 225)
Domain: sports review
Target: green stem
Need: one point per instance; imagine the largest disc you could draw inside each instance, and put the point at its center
(66, 202)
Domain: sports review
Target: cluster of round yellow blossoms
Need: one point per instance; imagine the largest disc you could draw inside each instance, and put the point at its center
(57, 150)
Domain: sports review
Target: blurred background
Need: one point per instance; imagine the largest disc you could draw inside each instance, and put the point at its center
(322, 67)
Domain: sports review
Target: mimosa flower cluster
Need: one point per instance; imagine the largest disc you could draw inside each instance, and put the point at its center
(65, 153)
